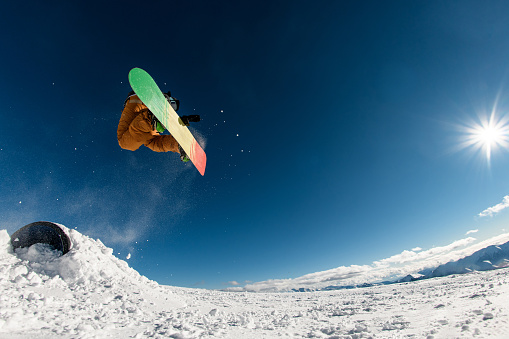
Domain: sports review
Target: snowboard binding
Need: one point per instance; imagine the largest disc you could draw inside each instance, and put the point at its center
(186, 119)
(174, 102)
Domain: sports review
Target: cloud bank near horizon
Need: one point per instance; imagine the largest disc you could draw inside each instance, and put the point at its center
(392, 268)
(397, 266)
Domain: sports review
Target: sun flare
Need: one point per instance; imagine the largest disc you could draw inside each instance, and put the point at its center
(487, 135)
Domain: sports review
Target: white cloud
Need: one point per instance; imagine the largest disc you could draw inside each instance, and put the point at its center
(392, 268)
(472, 231)
(234, 283)
(416, 249)
(491, 211)
(430, 255)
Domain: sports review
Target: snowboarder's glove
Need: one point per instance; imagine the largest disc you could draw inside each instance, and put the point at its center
(156, 125)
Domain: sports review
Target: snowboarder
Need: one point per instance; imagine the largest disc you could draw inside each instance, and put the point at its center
(138, 126)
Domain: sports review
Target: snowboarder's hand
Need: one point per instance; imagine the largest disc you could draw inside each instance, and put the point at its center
(154, 132)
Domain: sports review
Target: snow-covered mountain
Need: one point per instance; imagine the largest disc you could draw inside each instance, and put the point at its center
(489, 258)
(408, 265)
(89, 293)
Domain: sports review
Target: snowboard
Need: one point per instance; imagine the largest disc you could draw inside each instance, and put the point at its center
(149, 93)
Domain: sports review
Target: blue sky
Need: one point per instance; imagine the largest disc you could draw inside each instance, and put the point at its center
(332, 130)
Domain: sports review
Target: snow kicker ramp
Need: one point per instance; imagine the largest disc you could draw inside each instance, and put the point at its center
(41, 232)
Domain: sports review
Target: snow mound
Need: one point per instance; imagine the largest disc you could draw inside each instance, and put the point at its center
(88, 263)
(86, 284)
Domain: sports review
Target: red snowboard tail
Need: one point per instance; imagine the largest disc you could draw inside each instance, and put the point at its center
(198, 157)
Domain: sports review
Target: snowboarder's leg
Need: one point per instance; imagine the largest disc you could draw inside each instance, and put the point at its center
(140, 132)
(141, 127)
(137, 133)
(163, 143)
(126, 141)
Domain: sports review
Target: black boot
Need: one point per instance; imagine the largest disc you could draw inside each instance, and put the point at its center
(183, 155)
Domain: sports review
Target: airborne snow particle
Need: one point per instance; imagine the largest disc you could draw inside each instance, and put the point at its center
(128, 256)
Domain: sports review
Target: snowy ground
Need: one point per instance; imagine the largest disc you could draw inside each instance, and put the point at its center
(89, 293)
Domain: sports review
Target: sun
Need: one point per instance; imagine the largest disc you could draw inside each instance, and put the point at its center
(489, 135)
(486, 135)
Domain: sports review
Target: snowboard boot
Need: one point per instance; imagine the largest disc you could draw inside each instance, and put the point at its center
(156, 125)
(186, 119)
(183, 156)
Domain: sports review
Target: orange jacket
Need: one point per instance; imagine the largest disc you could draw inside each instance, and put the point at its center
(134, 129)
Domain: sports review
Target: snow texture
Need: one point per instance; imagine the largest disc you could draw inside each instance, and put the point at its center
(89, 293)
